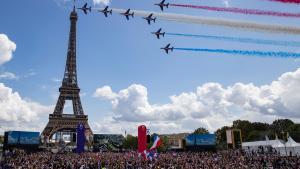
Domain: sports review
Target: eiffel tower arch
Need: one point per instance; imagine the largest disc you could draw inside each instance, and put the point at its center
(69, 90)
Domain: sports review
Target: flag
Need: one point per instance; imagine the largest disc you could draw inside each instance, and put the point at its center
(150, 155)
(156, 143)
(145, 154)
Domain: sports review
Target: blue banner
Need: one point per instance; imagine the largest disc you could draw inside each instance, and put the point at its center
(201, 140)
(80, 138)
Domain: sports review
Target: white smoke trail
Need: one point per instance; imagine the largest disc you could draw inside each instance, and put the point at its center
(216, 21)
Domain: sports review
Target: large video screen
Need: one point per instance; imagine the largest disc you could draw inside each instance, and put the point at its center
(22, 137)
(29, 137)
(116, 139)
(12, 137)
(200, 140)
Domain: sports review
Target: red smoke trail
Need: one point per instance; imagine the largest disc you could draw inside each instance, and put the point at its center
(288, 1)
(239, 10)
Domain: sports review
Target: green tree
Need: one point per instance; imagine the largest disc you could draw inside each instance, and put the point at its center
(255, 135)
(130, 142)
(257, 130)
(164, 144)
(294, 132)
(221, 137)
(281, 126)
(260, 126)
(1, 139)
(245, 126)
(201, 130)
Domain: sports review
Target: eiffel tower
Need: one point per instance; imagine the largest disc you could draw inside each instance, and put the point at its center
(69, 90)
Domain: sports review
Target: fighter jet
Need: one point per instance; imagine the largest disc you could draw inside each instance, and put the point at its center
(158, 33)
(162, 5)
(149, 19)
(85, 9)
(167, 48)
(105, 11)
(127, 14)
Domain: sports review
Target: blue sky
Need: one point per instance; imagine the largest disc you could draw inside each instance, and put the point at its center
(118, 53)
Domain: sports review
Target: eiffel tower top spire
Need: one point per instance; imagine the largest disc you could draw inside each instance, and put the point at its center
(69, 89)
(70, 75)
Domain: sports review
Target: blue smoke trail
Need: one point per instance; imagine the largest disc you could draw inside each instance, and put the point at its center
(242, 40)
(246, 52)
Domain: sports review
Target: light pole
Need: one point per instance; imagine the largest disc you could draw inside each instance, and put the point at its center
(282, 132)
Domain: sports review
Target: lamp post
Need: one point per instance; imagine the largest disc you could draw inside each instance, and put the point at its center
(282, 132)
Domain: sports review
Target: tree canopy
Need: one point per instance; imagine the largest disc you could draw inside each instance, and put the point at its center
(253, 131)
(201, 130)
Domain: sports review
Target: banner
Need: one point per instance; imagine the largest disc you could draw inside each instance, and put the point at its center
(229, 136)
(200, 140)
(80, 138)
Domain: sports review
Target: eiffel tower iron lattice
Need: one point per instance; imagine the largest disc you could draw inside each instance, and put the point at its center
(69, 90)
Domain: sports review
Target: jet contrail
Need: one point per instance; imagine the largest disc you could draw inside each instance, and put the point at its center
(242, 40)
(217, 22)
(240, 11)
(279, 54)
(288, 1)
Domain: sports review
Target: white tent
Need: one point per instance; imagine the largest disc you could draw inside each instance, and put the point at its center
(255, 145)
(279, 146)
(289, 148)
(292, 147)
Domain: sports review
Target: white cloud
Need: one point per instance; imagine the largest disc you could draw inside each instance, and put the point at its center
(56, 80)
(108, 125)
(12, 76)
(8, 75)
(30, 73)
(104, 2)
(211, 105)
(105, 93)
(18, 113)
(7, 47)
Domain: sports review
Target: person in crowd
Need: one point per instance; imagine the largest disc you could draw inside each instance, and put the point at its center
(227, 159)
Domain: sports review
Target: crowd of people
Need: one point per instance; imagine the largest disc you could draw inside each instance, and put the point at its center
(228, 159)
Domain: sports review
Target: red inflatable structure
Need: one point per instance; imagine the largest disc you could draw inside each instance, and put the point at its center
(142, 138)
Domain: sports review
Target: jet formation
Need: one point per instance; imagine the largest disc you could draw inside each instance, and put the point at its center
(106, 11)
(85, 9)
(150, 18)
(127, 14)
(168, 48)
(159, 33)
(162, 4)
